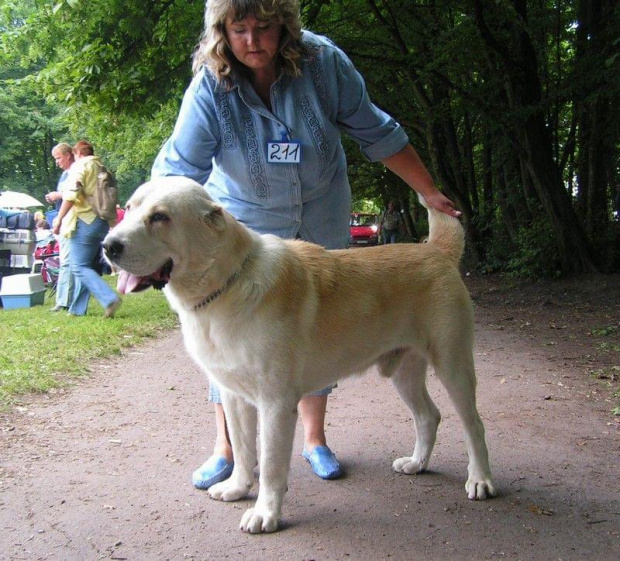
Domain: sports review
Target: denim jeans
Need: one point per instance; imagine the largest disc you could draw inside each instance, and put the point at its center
(64, 286)
(215, 396)
(389, 236)
(85, 247)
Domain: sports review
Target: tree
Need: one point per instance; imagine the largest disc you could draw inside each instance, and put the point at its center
(116, 68)
(596, 67)
(513, 104)
(518, 61)
(500, 100)
(28, 125)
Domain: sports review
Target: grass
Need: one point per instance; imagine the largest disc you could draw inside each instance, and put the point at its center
(43, 350)
(610, 375)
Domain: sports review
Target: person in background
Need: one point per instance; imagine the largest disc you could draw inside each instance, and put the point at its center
(85, 231)
(391, 224)
(260, 127)
(63, 155)
(42, 231)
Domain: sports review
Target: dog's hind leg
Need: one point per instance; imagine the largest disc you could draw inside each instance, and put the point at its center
(277, 430)
(241, 419)
(409, 378)
(454, 366)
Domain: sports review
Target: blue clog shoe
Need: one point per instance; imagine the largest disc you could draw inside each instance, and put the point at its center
(323, 462)
(214, 470)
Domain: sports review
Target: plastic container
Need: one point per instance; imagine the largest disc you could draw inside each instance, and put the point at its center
(22, 291)
(20, 242)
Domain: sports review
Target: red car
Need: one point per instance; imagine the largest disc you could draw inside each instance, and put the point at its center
(364, 228)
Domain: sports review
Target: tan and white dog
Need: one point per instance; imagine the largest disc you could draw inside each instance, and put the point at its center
(270, 321)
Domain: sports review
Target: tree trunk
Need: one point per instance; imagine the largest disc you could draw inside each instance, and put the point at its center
(598, 132)
(534, 143)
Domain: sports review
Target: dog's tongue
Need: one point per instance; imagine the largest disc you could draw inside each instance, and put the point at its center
(127, 282)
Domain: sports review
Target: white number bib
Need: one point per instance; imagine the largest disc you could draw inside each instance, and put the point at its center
(284, 152)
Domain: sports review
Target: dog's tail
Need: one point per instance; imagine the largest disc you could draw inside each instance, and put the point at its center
(445, 232)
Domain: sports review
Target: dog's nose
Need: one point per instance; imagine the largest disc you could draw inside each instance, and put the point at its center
(113, 249)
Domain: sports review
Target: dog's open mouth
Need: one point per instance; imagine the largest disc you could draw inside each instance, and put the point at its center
(133, 283)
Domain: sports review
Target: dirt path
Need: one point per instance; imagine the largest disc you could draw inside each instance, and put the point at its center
(102, 471)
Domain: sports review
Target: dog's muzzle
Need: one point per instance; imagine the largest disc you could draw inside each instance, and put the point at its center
(128, 282)
(113, 250)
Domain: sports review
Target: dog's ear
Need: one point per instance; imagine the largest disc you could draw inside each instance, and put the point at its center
(215, 217)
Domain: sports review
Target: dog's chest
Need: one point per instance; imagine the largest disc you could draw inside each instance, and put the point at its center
(225, 351)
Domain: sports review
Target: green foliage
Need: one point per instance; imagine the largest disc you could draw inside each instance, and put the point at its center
(536, 253)
(47, 350)
(25, 163)
(532, 254)
(605, 331)
(114, 72)
(366, 205)
(28, 125)
(611, 377)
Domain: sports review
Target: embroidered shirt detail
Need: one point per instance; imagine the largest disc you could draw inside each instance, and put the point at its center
(256, 169)
(317, 77)
(319, 138)
(225, 114)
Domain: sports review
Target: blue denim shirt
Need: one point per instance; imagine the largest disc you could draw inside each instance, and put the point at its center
(220, 140)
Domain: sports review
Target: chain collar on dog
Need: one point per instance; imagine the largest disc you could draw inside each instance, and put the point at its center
(219, 291)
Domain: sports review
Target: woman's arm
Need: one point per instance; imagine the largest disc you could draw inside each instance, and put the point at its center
(195, 138)
(378, 134)
(409, 167)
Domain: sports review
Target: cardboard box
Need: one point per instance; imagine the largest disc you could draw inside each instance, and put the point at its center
(22, 291)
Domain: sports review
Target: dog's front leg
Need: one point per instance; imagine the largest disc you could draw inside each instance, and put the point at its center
(277, 430)
(241, 422)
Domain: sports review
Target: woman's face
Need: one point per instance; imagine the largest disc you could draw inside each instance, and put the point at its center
(254, 42)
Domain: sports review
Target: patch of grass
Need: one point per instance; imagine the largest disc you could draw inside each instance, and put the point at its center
(611, 377)
(605, 331)
(43, 350)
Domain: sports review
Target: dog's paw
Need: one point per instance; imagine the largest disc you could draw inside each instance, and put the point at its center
(228, 491)
(479, 489)
(409, 465)
(256, 522)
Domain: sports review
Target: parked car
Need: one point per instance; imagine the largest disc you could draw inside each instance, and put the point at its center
(363, 229)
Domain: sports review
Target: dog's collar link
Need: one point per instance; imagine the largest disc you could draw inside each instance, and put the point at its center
(219, 291)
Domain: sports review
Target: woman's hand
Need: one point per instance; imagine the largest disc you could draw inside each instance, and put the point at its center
(440, 202)
(409, 167)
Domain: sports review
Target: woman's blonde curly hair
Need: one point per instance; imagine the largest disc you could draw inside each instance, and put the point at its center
(214, 52)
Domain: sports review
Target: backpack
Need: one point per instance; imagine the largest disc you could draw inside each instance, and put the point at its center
(105, 196)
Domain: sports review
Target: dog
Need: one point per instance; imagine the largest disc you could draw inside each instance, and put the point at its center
(270, 320)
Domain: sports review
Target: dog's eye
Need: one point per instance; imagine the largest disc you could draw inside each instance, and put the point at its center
(159, 217)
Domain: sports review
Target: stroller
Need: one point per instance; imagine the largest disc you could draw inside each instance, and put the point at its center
(47, 253)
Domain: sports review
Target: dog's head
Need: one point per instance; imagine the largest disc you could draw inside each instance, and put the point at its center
(166, 220)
